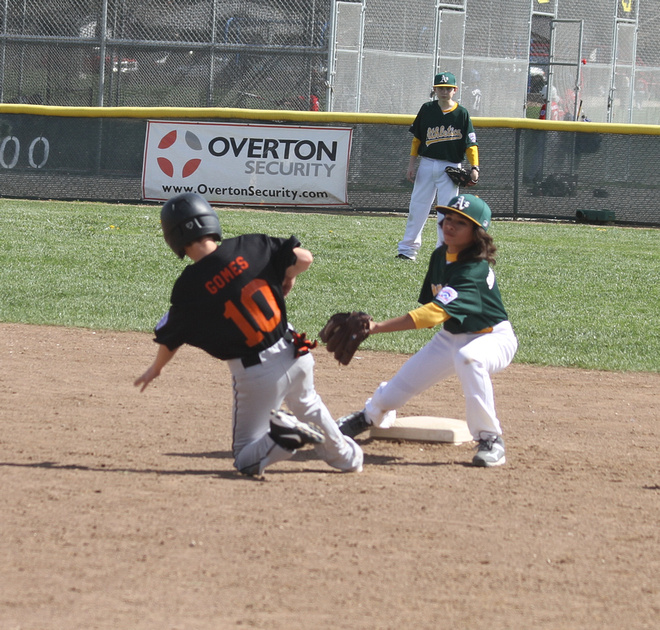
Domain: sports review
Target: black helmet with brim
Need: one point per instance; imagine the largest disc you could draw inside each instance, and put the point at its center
(186, 218)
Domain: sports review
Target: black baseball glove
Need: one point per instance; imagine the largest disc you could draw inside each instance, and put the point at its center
(460, 176)
(344, 332)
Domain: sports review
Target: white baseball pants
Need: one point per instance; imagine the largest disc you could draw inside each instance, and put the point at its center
(472, 357)
(282, 378)
(431, 183)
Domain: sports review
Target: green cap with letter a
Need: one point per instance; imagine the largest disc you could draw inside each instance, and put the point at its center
(444, 79)
(472, 207)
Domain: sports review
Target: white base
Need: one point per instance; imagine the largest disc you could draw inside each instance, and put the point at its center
(425, 429)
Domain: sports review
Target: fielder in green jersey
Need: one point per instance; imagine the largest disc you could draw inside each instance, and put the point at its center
(460, 294)
(467, 292)
(442, 136)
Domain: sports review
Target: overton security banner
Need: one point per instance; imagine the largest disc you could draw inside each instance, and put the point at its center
(247, 164)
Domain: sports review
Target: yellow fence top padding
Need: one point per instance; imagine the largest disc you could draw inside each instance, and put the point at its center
(314, 117)
(206, 112)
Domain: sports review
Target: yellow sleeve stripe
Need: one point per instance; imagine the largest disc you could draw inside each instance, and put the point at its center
(472, 154)
(414, 149)
(429, 315)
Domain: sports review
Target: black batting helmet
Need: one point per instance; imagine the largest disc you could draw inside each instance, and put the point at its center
(187, 217)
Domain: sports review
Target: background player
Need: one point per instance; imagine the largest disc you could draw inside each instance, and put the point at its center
(476, 340)
(230, 303)
(442, 136)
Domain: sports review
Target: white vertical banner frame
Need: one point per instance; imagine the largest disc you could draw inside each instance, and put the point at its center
(247, 164)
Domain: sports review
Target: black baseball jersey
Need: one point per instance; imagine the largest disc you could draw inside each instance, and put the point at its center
(467, 291)
(443, 136)
(230, 303)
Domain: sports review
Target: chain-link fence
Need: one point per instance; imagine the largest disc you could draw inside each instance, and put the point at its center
(237, 53)
(590, 58)
(512, 57)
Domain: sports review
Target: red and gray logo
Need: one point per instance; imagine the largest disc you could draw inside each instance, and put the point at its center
(170, 166)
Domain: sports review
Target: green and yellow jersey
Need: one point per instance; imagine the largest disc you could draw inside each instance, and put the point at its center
(463, 295)
(443, 135)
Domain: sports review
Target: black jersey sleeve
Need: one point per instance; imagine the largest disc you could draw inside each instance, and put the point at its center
(168, 334)
(285, 256)
(415, 128)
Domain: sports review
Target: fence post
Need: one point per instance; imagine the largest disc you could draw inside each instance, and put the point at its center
(102, 48)
(516, 171)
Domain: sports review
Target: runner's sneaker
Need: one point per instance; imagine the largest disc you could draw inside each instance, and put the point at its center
(490, 452)
(287, 431)
(353, 424)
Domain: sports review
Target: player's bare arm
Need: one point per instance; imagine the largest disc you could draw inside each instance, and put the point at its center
(414, 152)
(153, 371)
(304, 259)
(403, 322)
(410, 173)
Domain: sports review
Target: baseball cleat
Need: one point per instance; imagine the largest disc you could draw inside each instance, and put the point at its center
(287, 431)
(358, 469)
(353, 424)
(404, 257)
(490, 452)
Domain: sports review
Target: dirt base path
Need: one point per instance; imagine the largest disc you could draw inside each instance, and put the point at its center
(122, 510)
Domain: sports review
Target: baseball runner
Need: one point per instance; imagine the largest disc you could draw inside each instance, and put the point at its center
(459, 293)
(230, 303)
(442, 136)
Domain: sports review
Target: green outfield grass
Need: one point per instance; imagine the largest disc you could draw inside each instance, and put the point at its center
(577, 295)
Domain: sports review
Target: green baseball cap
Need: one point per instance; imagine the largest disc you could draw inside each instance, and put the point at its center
(444, 79)
(472, 207)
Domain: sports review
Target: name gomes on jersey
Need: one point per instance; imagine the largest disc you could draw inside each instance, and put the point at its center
(442, 134)
(220, 280)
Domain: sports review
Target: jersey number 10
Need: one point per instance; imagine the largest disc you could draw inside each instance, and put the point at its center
(254, 335)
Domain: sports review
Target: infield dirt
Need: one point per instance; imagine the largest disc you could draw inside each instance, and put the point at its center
(122, 510)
